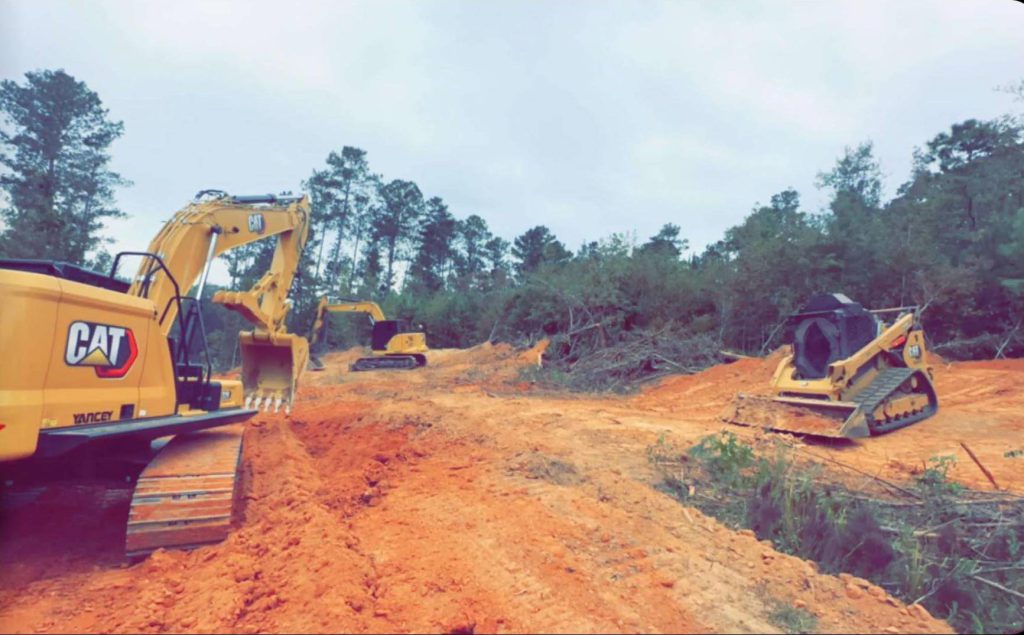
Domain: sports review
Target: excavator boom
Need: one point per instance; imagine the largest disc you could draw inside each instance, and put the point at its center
(272, 359)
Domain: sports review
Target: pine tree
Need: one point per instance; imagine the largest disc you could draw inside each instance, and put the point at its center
(58, 184)
(395, 225)
(536, 246)
(473, 235)
(436, 246)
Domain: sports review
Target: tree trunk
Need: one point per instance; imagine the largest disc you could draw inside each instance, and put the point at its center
(392, 243)
(355, 261)
(336, 250)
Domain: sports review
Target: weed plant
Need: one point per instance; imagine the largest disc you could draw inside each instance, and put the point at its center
(961, 557)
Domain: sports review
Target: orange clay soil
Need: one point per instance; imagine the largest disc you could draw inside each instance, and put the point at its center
(459, 498)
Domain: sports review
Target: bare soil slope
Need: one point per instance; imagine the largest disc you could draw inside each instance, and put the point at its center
(458, 498)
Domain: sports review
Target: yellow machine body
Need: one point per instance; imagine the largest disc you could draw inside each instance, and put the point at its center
(394, 345)
(89, 358)
(883, 385)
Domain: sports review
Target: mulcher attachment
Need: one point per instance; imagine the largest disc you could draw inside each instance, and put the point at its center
(850, 375)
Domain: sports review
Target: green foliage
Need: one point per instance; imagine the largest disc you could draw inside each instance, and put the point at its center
(934, 481)
(790, 619)
(725, 458)
(57, 182)
(929, 553)
(536, 247)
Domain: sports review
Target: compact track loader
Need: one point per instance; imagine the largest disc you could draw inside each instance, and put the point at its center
(849, 374)
(96, 368)
(394, 343)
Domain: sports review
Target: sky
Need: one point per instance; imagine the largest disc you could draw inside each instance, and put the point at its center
(591, 118)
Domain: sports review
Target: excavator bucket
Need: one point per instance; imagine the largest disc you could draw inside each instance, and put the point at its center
(271, 367)
(812, 417)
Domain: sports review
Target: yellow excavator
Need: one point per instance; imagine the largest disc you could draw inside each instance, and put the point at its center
(100, 367)
(850, 374)
(394, 343)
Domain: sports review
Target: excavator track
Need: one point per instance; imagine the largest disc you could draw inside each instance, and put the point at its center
(185, 497)
(388, 362)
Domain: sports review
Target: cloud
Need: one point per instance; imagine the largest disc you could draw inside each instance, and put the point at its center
(591, 118)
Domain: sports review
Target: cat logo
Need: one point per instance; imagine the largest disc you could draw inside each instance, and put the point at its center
(256, 223)
(110, 350)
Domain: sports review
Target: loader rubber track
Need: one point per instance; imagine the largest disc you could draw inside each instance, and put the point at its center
(883, 386)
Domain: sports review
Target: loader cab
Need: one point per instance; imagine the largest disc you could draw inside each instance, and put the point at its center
(830, 327)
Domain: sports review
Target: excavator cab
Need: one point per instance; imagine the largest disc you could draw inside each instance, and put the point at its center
(384, 330)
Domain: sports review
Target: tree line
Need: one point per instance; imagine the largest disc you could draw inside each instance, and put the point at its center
(950, 240)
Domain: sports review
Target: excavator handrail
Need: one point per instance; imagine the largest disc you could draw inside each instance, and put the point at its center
(186, 339)
(185, 342)
(149, 274)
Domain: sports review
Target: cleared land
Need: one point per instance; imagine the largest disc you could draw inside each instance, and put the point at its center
(459, 498)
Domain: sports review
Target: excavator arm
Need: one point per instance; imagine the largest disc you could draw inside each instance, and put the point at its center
(182, 253)
(351, 306)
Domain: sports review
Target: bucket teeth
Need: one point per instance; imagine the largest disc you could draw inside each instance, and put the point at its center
(267, 401)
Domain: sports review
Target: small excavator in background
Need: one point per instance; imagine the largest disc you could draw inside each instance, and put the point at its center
(394, 343)
(99, 368)
(849, 374)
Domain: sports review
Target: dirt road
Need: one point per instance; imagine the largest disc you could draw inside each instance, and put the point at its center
(456, 498)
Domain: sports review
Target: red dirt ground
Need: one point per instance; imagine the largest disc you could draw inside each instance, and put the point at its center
(458, 498)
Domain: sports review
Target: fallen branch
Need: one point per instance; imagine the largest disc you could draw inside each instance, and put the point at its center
(871, 476)
(734, 356)
(996, 585)
(1009, 338)
(984, 469)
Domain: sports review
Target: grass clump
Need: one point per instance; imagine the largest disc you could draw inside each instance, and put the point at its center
(957, 552)
(790, 619)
